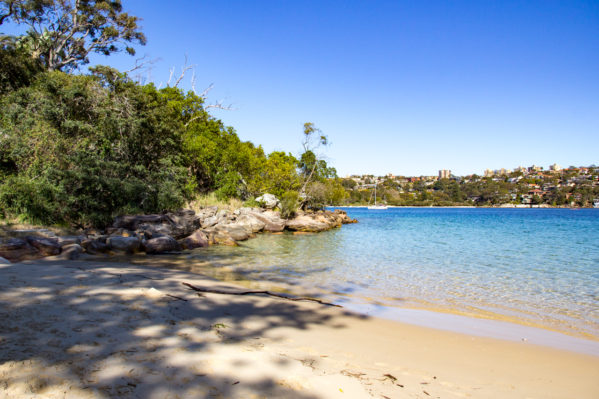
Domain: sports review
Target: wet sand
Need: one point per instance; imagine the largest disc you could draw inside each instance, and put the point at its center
(96, 329)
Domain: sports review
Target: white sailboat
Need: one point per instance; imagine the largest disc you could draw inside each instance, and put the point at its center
(375, 206)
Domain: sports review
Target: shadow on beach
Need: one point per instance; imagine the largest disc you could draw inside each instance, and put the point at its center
(97, 329)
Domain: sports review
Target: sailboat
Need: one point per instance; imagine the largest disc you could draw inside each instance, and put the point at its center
(375, 206)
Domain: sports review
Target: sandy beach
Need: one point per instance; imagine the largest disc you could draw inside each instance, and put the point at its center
(91, 329)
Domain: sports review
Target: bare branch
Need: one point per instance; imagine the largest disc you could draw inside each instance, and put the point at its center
(183, 71)
(219, 105)
(172, 72)
(207, 90)
(142, 62)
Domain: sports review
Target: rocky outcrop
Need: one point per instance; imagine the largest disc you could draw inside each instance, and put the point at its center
(318, 221)
(175, 224)
(167, 232)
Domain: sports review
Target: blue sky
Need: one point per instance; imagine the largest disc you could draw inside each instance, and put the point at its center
(403, 87)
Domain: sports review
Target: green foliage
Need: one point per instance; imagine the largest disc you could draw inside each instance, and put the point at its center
(62, 33)
(17, 69)
(82, 149)
(289, 204)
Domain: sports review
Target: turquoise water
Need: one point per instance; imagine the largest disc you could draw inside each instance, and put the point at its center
(533, 266)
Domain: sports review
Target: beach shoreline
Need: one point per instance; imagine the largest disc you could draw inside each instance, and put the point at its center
(101, 329)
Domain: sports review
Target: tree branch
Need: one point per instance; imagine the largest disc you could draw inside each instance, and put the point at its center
(198, 289)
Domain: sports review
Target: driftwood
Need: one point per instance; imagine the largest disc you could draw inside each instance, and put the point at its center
(209, 291)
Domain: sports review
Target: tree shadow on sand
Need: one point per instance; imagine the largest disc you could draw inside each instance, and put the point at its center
(92, 329)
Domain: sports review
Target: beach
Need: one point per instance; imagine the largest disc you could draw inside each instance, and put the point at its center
(91, 329)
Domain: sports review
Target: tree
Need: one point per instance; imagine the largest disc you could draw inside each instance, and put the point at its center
(63, 33)
(313, 138)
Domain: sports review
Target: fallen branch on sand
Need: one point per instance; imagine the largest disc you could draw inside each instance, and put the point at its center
(209, 291)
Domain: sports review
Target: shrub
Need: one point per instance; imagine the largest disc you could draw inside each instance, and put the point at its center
(289, 204)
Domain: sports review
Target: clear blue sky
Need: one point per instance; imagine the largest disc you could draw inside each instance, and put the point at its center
(403, 87)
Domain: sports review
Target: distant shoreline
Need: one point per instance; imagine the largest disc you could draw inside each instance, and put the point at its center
(543, 206)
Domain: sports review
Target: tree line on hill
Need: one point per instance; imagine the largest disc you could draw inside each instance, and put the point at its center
(566, 188)
(80, 149)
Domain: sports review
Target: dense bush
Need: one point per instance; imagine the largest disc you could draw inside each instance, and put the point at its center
(81, 149)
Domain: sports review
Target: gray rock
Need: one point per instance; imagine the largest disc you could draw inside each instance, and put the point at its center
(250, 222)
(272, 220)
(176, 224)
(71, 252)
(196, 240)
(17, 249)
(210, 221)
(68, 240)
(309, 223)
(95, 246)
(161, 244)
(268, 201)
(45, 246)
(123, 244)
(235, 231)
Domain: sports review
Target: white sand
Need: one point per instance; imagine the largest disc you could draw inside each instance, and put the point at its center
(90, 329)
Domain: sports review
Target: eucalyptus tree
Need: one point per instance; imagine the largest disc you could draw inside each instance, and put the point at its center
(63, 33)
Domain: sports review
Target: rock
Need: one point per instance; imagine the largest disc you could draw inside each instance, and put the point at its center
(272, 221)
(161, 244)
(344, 218)
(68, 240)
(124, 244)
(175, 224)
(4, 261)
(71, 252)
(220, 238)
(207, 212)
(268, 201)
(209, 222)
(235, 231)
(311, 222)
(17, 249)
(196, 240)
(94, 246)
(45, 246)
(250, 222)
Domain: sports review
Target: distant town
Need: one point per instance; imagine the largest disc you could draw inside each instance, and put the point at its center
(531, 186)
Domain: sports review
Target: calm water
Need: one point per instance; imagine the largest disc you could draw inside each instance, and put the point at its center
(534, 266)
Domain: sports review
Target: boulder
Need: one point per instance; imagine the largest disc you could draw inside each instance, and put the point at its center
(223, 238)
(68, 240)
(161, 244)
(209, 222)
(94, 246)
(196, 240)
(17, 249)
(45, 246)
(272, 221)
(207, 212)
(175, 224)
(123, 244)
(235, 231)
(268, 201)
(250, 222)
(71, 252)
(314, 222)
